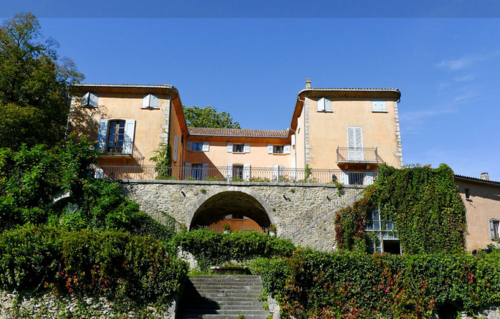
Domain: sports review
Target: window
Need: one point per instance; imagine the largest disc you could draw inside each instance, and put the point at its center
(197, 171)
(238, 148)
(197, 146)
(278, 149)
(324, 105)
(238, 171)
(356, 178)
(494, 228)
(378, 106)
(89, 100)
(116, 137)
(150, 101)
(385, 233)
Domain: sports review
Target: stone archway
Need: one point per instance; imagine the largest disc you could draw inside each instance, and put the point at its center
(230, 202)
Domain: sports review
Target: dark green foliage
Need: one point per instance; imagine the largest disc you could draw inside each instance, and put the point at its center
(118, 266)
(32, 178)
(212, 248)
(163, 161)
(423, 203)
(208, 117)
(34, 85)
(313, 284)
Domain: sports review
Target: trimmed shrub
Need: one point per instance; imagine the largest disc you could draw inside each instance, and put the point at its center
(119, 266)
(212, 248)
(314, 284)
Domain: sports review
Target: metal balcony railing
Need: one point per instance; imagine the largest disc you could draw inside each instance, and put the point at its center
(358, 155)
(236, 174)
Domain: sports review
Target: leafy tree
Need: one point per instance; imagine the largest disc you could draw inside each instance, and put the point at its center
(208, 117)
(34, 85)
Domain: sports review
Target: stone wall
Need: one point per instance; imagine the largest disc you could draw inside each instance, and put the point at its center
(302, 212)
(49, 306)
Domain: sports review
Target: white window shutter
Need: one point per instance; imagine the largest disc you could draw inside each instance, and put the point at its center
(176, 148)
(189, 146)
(246, 148)
(246, 172)
(298, 123)
(293, 140)
(145, 101)
(328, 105)
(286, 149)
(102, 135)
(204, 173)
(229, 147)
(368, 179)
(205, 147)
(229, 172)
(187, 170)
(93, 99)
(128, 144)
(276, 172)
(86, 99)
(321, 105)
(294, 166)
(153, 101)
(269, 148)
(344, 178)
(99, 173)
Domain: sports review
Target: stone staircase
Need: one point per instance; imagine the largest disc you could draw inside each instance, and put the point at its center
(222, 297)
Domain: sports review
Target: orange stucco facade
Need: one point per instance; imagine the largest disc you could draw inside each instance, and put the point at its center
(482, 202)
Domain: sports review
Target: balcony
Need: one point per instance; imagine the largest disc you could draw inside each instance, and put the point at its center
(358, 155)
(118, 150)
(270, 175)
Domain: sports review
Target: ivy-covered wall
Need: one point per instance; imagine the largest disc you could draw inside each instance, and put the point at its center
(423, 203)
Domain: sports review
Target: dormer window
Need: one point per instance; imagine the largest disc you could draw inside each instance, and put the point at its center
(89, 100)
(150, 101)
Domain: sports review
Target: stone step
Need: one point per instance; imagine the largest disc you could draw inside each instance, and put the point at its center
(218, 297)
(219, 316)
(234, 312)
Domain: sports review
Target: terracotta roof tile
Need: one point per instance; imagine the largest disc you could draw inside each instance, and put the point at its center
(237, 132)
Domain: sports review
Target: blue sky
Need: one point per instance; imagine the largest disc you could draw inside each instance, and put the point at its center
(448, 71)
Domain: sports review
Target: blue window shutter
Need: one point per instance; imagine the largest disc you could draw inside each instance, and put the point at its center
(102, 135)
(189, 146)
(187, 170)
(204, 173)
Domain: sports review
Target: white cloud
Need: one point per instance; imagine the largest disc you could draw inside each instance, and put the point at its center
(464, 78)
(465, 61)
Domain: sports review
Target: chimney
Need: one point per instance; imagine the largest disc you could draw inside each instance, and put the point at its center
(485, 176)
(308, 83)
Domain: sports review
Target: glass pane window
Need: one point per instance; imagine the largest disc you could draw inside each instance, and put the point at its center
(278, 149)
(196, 171)
(197, 146)
(116, 137)
(237, 148)
(356, 178)
(238, 171)
(384, 230)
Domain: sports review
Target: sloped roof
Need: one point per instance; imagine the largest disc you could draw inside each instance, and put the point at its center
(237, 132)
(477, 180)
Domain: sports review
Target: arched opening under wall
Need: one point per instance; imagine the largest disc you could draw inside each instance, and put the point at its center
(241, 211)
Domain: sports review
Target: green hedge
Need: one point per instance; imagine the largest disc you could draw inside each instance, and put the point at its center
(313, 284)
(212, 248)
(119, 266)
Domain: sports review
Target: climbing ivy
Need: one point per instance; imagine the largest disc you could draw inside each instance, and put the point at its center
(423, 203)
